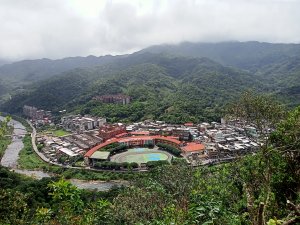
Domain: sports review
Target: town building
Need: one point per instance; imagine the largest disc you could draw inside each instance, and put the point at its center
(79, 124)
(116, 99)
(37, 115)
(111, 130)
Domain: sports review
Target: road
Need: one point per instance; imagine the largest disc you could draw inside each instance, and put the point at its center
(11, 155)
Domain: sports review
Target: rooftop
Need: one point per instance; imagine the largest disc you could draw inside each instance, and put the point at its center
(126, 139)
(100, 155)
(68, 152)
(193, 147)
(139, 133)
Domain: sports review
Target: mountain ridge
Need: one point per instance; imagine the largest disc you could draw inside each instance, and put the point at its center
(190, 88)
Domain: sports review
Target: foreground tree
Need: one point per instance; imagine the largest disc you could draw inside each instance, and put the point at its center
(286, 140)
(13, 207)
(262, 111)
(265, 114)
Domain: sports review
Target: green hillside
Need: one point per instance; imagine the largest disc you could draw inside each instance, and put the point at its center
(176, 89)
(245, 55)
(284, 79)
(176, 83)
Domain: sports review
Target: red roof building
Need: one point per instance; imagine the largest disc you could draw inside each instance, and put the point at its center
(140, 133)
(110, 131)
(193, 148)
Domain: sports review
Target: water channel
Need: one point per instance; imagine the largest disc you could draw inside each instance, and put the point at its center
(11, 155)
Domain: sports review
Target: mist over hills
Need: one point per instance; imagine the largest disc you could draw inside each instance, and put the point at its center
(177, 83)
(28, 71)
(244, 55)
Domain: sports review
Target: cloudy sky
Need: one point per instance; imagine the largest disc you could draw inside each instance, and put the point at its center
(59, 28)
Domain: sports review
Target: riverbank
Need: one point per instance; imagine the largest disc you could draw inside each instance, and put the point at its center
(11, 156)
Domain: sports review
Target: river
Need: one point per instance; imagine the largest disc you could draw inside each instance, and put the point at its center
(11, 155)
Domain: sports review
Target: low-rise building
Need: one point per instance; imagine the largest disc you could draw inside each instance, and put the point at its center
(116, 99)
(111, 130)
(79, 124)
(37, 115)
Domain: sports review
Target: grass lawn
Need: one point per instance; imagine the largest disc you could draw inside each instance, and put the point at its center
(4, 142)
(28, 159)
(69, 173)
(60, 132)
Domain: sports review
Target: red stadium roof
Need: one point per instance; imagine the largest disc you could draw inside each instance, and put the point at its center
(121, 135)
(92, 150)
(126, 139)
(171, 139)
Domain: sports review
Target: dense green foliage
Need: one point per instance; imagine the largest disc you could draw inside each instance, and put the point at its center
(251, 190)
(164, 82)
(174, 89)
(153, 164)
(28, 159)
(115, 165)
(245, 55)
(114, 148)
(28, 201)
(4, 142)
(4, 139)
(169, 148)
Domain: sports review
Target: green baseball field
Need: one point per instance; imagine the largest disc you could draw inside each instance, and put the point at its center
(141, 155)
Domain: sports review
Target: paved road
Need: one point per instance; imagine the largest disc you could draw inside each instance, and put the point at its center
(33, 138)
(11, 155)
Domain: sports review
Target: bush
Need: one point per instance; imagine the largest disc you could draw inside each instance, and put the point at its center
(178, 161)
(153, 164)
(125, 165)
(114, 148)
(169, 148)
(134, 165)
(62, 159)
(115, 166)
(108, 165)
(149, 145)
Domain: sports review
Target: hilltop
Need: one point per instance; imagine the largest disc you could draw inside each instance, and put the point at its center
(176, 83)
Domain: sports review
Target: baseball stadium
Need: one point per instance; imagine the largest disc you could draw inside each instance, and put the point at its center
(136, 149)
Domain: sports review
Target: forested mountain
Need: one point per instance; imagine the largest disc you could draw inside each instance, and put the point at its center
(284, 78)
(28, 71)
(176, 89)
(177, 83)
(3, 88)
(244, 55)
(2, 62)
